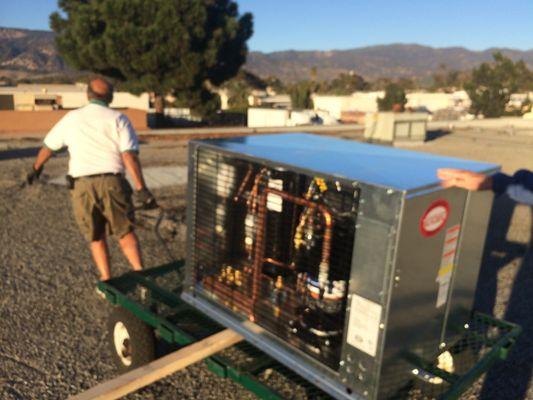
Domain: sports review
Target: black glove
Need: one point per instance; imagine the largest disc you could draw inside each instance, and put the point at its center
(34, 174)
(146, 198)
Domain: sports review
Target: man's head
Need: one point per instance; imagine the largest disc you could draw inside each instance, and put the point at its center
(100, 89)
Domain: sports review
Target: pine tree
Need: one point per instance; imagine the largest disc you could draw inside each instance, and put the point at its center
(394, 98)
(180, 47)
(492, 84)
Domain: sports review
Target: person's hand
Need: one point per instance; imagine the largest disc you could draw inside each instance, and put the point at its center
(464, 179)
(146, 198)
(33, 174)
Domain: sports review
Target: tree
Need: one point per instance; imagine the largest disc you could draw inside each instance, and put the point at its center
(300, 93)
(344, 85)
(181, 47)
(394, 98)
(492, 84)
(240, 87)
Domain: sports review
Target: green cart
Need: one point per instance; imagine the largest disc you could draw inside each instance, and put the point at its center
(148, 308)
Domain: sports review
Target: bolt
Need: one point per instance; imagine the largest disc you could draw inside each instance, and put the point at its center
(381, 326)
(442, 345)
(397, 278)
(341, 363)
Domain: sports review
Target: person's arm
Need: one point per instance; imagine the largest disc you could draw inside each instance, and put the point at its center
(42, 157)
(133, 166)
(464, 179)
(518, 187)
(54, 141)
(129, 149)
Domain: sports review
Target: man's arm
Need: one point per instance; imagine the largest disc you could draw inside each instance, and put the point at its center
(518, 187)
(464, 179)
(42, 157)
(133, 166)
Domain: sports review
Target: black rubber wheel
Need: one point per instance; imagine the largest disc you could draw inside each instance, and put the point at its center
(131, 341)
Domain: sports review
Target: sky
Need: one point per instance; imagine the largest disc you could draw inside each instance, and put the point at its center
(344, 24)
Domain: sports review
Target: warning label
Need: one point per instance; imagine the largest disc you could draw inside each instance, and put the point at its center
(363, 327)
(444, 276)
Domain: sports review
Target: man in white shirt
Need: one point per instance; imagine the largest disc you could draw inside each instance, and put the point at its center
(101, 143)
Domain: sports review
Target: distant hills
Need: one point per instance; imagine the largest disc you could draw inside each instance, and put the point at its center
(25, 50)
(33, 52)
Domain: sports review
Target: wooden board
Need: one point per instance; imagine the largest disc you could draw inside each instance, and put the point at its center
(158, 369)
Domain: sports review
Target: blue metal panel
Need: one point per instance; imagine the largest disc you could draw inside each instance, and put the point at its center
(374, 164)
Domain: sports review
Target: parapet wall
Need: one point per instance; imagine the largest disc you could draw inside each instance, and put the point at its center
(20, 122)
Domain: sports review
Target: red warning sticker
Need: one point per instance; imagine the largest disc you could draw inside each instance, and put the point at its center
(434, 218)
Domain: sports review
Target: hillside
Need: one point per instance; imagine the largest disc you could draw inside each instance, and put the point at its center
(392, 61)
(25, 51)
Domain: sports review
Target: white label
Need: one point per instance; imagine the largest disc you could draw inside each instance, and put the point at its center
(275, 202)
(442, 294)
(363, 326)
(435, 218)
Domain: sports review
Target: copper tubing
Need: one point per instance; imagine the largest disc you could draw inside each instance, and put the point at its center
(260, 249)
(251, 202)
(328, 220)
(243, 184)
(278, 263)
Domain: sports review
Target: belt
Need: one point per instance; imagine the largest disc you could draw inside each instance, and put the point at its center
(98, 175)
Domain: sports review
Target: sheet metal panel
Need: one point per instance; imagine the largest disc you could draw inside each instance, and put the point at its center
(474, 232)
(423, 271)
(369, 289)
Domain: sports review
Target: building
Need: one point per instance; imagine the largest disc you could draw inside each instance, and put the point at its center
(38, 97)
(366, 102)
(356, 102)
(269, 98)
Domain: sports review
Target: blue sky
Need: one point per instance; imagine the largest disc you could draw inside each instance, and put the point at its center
(342, 24)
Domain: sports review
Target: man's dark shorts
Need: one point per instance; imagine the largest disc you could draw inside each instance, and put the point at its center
(102, 204)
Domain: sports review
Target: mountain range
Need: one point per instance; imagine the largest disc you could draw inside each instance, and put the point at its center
(33, 52)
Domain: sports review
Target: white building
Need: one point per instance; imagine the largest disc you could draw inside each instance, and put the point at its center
(336, 105)
(269, 98)
(366, 102)
(34, 97)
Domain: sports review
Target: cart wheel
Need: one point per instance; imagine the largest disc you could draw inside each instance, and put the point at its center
(131, 341)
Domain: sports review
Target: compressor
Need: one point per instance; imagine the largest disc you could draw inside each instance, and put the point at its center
(344, 261)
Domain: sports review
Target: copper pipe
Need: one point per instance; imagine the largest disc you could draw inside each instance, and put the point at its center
(277, 263)
(328, 220)
(258, 253)
(260, 249)
(251, 202)
(243, 184)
